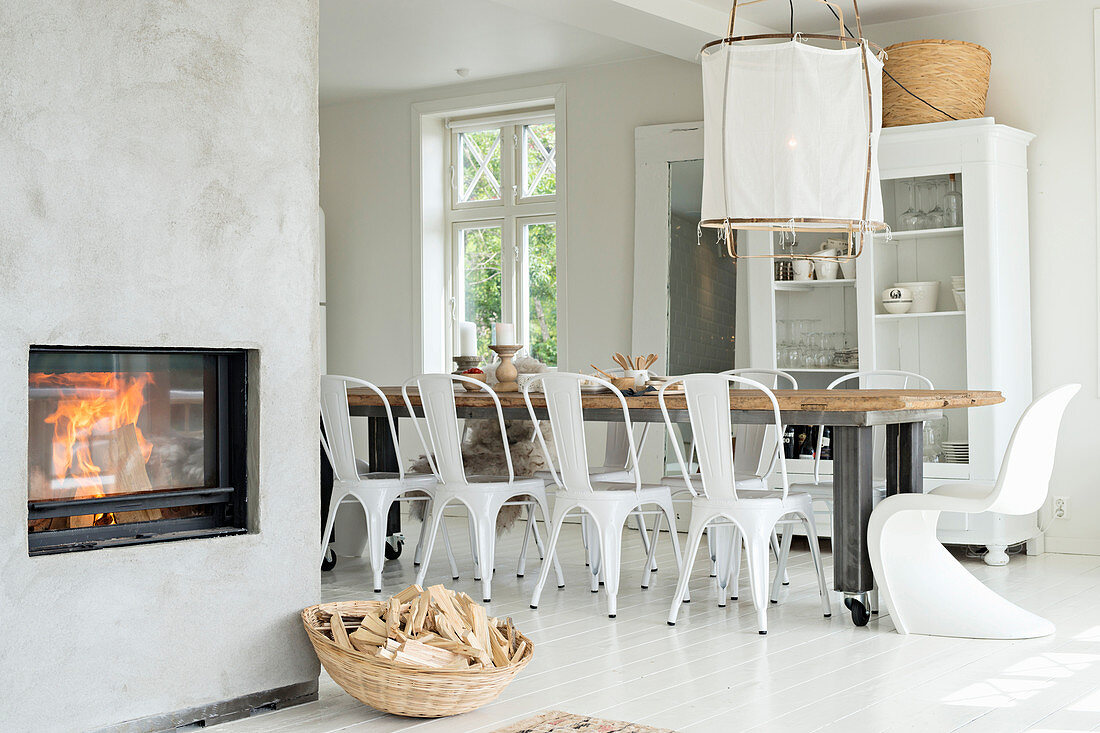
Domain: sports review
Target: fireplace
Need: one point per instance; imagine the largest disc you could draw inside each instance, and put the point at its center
(129, 446)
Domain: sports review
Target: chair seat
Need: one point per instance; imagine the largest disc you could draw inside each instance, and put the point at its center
(616, 491)
(498, 483)
(676, 484)
(415, 479)
(794, 500)
(877, 483)
(599, 473)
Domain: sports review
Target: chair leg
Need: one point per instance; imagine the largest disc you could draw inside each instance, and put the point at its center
(538, 543)
(782, 556)
(551, 550)
(376, 543)
(485, 526)
(756, 545)
(584, 537)
(712, 554)
(522, 564)
(723, 540)
(450, 552)
(611, 545)
(782, 569)
(651, 551)
(420, 540)
(735, 564)
(651, 558)
(333, 507)
(695, 536)
(595, 568)
(670, 517)
(819, 566)
(472, 527)
(434, 520)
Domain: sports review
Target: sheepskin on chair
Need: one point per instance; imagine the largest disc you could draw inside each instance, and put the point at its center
(481, 447)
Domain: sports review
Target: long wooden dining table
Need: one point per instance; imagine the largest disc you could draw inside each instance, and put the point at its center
(852, 414)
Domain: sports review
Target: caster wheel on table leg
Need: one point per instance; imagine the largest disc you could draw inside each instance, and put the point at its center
(393, 548)
(860, 614)
(330, 560)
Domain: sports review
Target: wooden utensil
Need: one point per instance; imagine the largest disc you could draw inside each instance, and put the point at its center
(601, 371)
(621, 360)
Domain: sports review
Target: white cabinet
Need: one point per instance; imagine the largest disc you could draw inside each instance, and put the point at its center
(986, 345)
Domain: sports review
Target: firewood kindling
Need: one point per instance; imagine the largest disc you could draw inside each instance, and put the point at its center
(433, 628)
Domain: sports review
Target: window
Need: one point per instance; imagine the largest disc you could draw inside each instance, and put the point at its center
(502, 214)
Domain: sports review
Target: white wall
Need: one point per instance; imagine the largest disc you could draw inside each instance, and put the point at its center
(366, 161)
(1042, 82)
(159, 188)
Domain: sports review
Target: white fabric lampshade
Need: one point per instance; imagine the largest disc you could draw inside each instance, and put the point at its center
(785, 135)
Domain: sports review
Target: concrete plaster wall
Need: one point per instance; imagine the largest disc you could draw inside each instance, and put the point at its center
(159, 188)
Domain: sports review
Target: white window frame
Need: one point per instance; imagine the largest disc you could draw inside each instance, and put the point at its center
(511, 213)
(430, 344)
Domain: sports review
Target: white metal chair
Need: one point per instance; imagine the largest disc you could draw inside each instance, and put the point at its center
(926, 590)
(483, 496)
(352, 479)
(606, 504)
(754, 461)
(616, 468)
(753, 512)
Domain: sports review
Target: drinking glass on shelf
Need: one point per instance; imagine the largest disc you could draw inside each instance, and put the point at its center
(931, 218)
(910, 218)
(952, 204)
(939, 188)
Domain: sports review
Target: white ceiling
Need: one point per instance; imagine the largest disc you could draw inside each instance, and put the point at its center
(375, 46)
(812, 15)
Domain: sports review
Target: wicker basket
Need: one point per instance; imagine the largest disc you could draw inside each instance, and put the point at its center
(401, 689)
(951, 75)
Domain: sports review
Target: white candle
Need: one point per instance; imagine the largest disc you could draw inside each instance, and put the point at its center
(467, 339)
(506, 334)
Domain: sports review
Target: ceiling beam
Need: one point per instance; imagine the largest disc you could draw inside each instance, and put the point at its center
(672, 27)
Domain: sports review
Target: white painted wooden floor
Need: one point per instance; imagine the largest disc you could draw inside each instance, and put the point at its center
(713, 672)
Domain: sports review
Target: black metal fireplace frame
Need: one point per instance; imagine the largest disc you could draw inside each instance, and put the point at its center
(228, 501)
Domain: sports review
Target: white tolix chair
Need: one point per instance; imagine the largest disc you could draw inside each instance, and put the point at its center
(606, 504)
(483, 496)
(718, 500)
(375, 491)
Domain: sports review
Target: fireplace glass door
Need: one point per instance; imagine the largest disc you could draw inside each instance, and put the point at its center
(133, 446)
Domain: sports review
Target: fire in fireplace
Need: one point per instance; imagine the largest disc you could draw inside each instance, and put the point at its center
(135, 445)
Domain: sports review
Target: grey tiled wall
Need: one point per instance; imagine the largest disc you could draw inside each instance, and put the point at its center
(701, 301)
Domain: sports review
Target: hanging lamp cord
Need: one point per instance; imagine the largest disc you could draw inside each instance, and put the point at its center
(903, 88)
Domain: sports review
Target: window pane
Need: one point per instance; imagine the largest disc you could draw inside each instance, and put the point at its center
(480, 155)
(481, 267)
(542, 282)
(538, 161)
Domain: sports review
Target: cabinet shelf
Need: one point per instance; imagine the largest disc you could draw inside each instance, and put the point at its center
(933, 314)
(805, 286)
(901, 236)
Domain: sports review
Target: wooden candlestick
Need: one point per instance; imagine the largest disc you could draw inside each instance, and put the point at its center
(506, 370)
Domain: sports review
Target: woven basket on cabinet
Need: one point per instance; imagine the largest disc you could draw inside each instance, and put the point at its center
(951, 75)
(402, 689)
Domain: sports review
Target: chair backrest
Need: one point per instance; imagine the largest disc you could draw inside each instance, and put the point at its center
(873, 379)
(708, 404)
(336, 417)
(754, 447)
(562, 391)
(1024, 479)
(616, 450)
(443, 446)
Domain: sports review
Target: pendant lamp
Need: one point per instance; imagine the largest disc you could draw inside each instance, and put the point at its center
(790, 134)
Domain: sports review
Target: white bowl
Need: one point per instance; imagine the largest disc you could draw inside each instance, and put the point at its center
(897, 294)
(897, 306)
(926, 295)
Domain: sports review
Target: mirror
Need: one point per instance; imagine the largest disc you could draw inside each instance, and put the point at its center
(702, 281)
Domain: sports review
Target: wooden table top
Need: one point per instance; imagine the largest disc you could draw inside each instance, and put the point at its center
(800, 400)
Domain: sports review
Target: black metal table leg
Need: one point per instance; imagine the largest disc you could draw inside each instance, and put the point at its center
(382, 456)
(905, 458)
(853, 489)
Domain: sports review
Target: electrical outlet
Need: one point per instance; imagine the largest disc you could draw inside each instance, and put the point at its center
(1061, 507)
